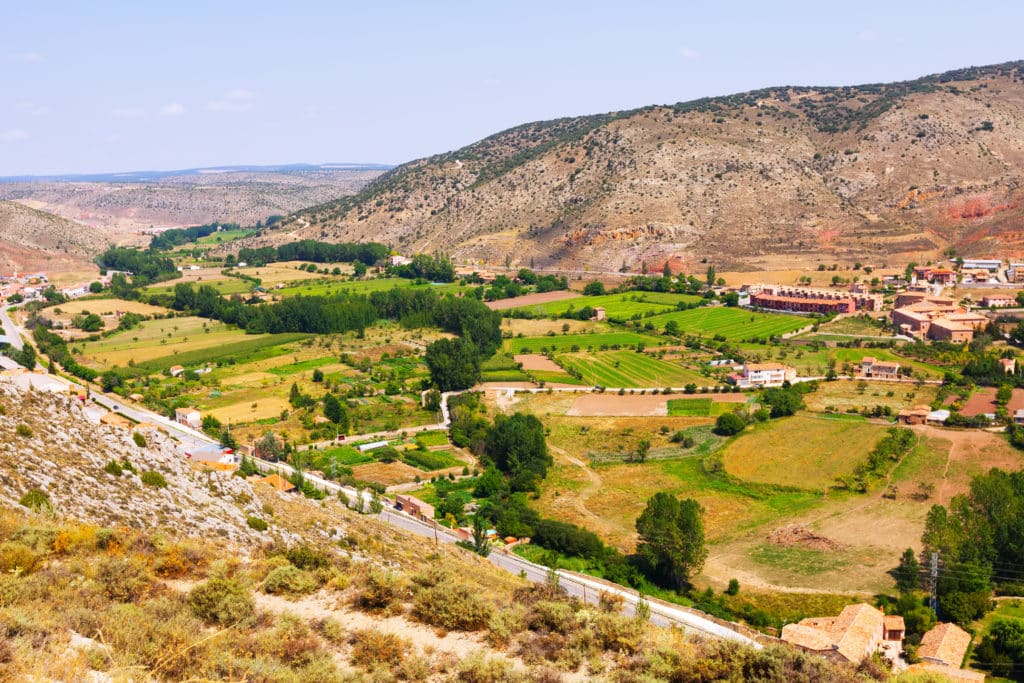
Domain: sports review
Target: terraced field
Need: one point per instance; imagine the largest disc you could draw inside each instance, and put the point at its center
(732, 323)
(565, 342)
(617, 306)
(629, 369)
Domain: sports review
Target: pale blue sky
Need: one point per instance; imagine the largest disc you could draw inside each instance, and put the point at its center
(121, 86)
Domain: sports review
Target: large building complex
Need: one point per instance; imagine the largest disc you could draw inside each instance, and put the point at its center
(811, 299)
(935, 318)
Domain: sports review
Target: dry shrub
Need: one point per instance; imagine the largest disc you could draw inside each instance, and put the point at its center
(74, 537)
(260, 569)
(18, 557)
(479, 668)
(414, 668)
(618, 632)
(547, 615)
(289, 580)
(160, 635)
(178, 560)
(221, 601)
(293, 641)
(451, 606)
(380, 590)
(504, 625)
(331, 630)
(123, 579)
(610, 602)
(372, 647)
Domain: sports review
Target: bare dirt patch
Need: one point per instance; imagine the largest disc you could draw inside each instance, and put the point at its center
(531, 300)
(799, 536)
(533, 361)
(984, 401)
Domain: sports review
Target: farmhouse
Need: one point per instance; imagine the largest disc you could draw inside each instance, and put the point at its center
(858, 632)
(1016, 272)
(175, 370)
(599, 313)
(918, 415)
(879, 369)
(943, 276)
(190, 417)
(1009, 365)
(763, 375)
(414, 507)
(943, 650)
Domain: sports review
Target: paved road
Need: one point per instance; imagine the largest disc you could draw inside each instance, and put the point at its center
(10, 329)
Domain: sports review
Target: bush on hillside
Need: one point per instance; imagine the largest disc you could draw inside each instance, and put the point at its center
(289, 580)
(221, 601)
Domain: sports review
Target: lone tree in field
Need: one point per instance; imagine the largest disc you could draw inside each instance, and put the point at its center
(335, 412)
(672, 538)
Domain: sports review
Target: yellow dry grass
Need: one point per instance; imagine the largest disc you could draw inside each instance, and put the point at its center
(156, 338)
(844, 394)
(541, 326)
(102, 307)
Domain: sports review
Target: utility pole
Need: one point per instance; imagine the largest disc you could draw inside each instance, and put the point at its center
(934, 599)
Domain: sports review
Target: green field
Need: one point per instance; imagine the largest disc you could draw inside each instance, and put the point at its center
(620, 307)
(565, 342)
(223, 236)
(734, 324)
(690, 407)
(629, 369)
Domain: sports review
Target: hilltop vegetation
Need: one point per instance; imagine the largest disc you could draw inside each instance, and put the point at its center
(775, 177)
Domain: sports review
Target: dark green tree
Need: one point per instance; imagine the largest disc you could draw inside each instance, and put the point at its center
(728, 424)
(335, 412)
(516, 446)
(908, 573)
(672, 538)
(454, 364)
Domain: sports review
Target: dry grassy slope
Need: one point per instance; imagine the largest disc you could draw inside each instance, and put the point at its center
(772, 179)
(65, 457)
(35, 240)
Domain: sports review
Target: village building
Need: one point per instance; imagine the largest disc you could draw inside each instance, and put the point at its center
(1018, 416)
(933, 318)
(1015, 273)
(599, 313)
(190, 417)
(176, 370)
(1009, 365)
(212, 453)
(879, 369)
(414, 507)
(858, 632)
(998, 302)
(918, 415)
(763, 375)
(943, 650)
(943, 276)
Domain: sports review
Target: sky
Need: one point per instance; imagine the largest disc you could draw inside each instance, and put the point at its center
(123, 86)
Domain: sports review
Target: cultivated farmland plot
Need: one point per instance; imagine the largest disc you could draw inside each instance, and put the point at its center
(617, 306)
(565, 342)
(630, 369)
(731, 323)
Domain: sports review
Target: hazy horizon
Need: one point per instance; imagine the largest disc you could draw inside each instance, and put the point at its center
(124, 87)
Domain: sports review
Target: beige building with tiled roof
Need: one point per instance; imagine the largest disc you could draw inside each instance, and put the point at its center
(858, 632)
(944, 644)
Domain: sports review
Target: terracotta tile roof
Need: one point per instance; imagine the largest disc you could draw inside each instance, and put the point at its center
(754, 367)
(945, 644)
(894, 622)
(807, 637)
(853, 634)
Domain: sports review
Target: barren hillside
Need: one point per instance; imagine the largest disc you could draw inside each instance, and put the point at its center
(36, 240)
(185, 200)
(775, 178)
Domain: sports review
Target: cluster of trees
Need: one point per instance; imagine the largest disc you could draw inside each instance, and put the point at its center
(979, 541)
(54, 346)
(367, 253)
(504, 287)
(169, 239)
(427, 267)
(890, 449)
(145, 266)
(26, 356)
(984, 369)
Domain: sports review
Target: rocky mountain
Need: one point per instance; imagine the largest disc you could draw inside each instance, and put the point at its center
(35, 240)
(769, 179)
(48, 444)
(233, 195)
